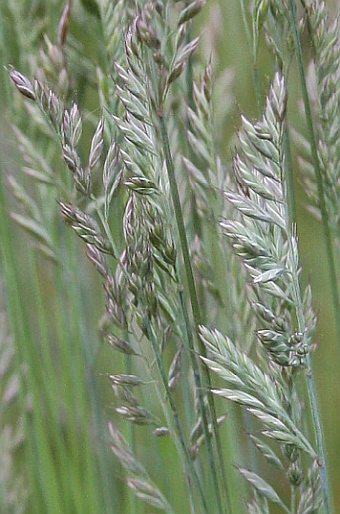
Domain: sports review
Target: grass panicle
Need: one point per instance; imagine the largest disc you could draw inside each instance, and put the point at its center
(184, 342)
(266, 243)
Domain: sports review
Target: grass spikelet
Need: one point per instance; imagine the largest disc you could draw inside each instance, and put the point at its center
(138, 480)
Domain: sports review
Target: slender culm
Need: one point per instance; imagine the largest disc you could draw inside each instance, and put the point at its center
(165, 295)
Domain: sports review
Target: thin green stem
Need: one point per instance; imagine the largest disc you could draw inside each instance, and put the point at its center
(48, 378)
(212, 234)
(318, 176)
(319, 437)
(196, 315)
(258, 95)
(45, 489)
(198, 229)
(181, 229)
(246, 26)
(197, 222)
(252, 44)
(312, 396)
(200, 397)
(180, 439)
(86, 400)
(331, 263)
(128, 363)
(21, 338)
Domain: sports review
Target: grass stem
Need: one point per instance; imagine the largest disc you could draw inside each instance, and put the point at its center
(194, 306)
(318, 175)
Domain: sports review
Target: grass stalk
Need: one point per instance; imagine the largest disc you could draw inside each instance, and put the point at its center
(318, 175)
(336, 305)
(180, 225)
(45, 488)
(128, 365)
(312, 395)
(184, 453)
(195, 310)
(86, 403)
(199, 231)
(197, 225)
(253, 48)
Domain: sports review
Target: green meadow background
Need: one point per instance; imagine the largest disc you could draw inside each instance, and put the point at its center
(59, 401)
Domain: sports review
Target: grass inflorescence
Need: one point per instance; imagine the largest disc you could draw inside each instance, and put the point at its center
(173, 369)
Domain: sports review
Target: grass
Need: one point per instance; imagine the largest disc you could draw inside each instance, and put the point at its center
(160, 273)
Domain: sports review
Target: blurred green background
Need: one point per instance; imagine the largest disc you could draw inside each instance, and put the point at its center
(53, 314)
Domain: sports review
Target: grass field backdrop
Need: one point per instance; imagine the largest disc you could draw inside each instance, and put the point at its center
(169, 257)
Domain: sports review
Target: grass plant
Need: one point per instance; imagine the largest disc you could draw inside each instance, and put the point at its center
(158, 330)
